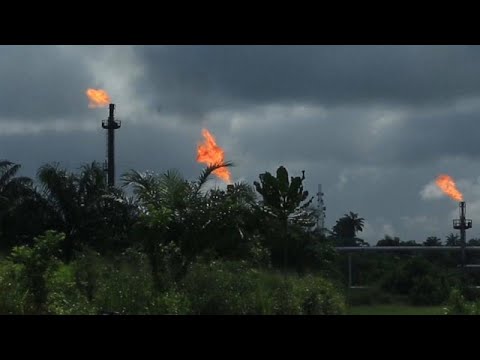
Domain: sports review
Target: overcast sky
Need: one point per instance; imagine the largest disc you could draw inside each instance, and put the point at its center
(373, 124)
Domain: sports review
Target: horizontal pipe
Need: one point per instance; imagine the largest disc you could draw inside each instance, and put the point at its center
(404, 248)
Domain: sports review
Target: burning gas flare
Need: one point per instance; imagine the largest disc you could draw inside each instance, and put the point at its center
(98, 98)
(448, 186)
(210, 153)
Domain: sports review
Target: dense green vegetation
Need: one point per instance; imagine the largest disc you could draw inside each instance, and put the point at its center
(160, 244)
(396, 310)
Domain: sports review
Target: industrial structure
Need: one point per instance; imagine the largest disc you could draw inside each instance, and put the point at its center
(462, 224)
(111, 125)
(321, 210)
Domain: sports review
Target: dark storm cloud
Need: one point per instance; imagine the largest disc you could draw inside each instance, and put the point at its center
(141, 148)
(372, 124)
(195, 79)
(39, 82)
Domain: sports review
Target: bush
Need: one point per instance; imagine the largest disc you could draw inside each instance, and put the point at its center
(420, 280)
(368, 296)
(170, 265)
(236, 288)
(172, 303)
(428, 290)
(125, 287)
(14, 295)
(284, 298)
(220, 288)
(457, 305)
(319, 297)
(34, 263)
(86, 270)
(64, 297)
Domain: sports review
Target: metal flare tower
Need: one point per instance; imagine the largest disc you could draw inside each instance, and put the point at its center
(462, 224)
(111, 125)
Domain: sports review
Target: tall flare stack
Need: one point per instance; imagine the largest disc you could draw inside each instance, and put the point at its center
(111, 125)
(462, 224)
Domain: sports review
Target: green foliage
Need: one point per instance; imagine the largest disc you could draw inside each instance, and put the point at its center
(319, 297)
(389, 241)
(125, 286)
(85, 209)
(237, 288)
(220, 288)
(14, 294)
(368, 296)
(284, 206)
(172, 302)
(457, 305)
(258, 255)
(421, 280)
(453, 240)
(36, 261)
(432, 241)
(64, 296)
(346, 228)
(86, 271)
(282, 198)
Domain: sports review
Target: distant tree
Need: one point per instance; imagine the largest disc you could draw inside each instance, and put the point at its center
(81, 206)
(409, 243)
(12, 187)
(286, 203)
(16, 193)
(432, 241)
(389, 241)
(473, 242)
(36, 261)
(453, 240)
(346, 228)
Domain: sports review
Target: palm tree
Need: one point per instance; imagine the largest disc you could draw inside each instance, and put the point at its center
(15, 192)
(84, 208)
(174, 210)
(348, 225)
(453, 240)
(432, 241)
(12, 188)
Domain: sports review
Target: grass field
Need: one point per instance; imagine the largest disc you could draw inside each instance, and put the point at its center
(395, 310)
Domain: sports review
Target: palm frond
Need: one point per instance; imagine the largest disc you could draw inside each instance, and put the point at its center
(205, 174)
(8, 172)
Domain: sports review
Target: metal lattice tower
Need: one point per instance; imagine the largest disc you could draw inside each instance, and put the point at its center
(321, 210)
(462, 224)
(111, 125)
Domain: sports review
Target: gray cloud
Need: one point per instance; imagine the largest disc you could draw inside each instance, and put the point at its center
(42, 82)
(374, 125)
(199, 78)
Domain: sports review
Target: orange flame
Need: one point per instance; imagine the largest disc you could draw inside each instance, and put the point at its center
(448, 186)
(98, 98)
(210, 153)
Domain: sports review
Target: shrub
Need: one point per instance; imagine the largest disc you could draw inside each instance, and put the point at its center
(86, 271)
(457, 305)
(36, 261)
(220, 288)
(368, 296)
(420, 280)
(125, 287)
(319, 297)
(172, 303)
(428, 290)
(236, 288)
(14, 294)
(64, 297)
